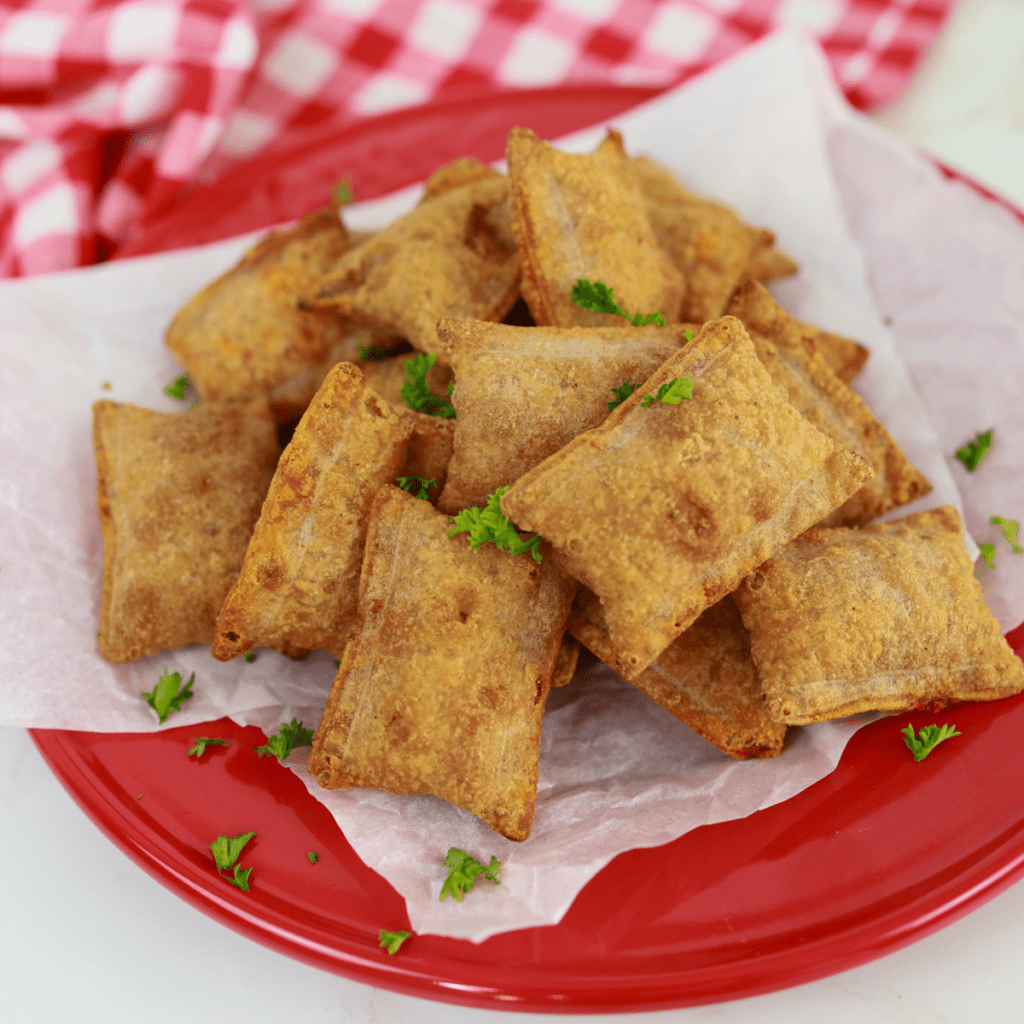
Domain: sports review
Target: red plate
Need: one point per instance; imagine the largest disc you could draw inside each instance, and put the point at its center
(878, 854)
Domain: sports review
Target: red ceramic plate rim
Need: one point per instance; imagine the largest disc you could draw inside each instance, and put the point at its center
(601, 957)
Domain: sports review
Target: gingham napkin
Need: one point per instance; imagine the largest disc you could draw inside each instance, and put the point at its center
(110, 110)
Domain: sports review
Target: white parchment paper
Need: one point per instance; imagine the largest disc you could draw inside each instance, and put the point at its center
(920, 268)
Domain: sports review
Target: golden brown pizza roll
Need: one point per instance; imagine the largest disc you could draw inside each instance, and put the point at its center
(244, 334)
(453, 255)
(887, 617)
(565, 663)
(705, 677)
(709, 243)
(178, 496)
(831, 406)
(298, 586)
(464, 171)
(443, 683)
(663, 509)
(524, 392)
(771, 264)
(844, 357)
(582, 216)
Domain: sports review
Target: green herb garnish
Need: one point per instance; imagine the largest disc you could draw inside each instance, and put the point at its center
(392, 941)
(988, 552)
(280, 745)
(598, 298)
(1010, 528)
(250, 656)
(225, 852)
(313, 856)
(411, 483)
(201, 743)
(373, 354)
(672, 392)
(167, 695)
(417, 395)
(974, 451)
(927, 739)
(621, 393)
(343, 194)
(491, 526)
(178, 388)
(463, 871)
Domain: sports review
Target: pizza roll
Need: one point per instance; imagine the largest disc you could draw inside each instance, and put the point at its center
(582, 216)
(843, 356)
(524, 392)
(817, 393)
(453, 255)
(443, 683)
(709, 243)
(663, 509)
(565, 663)
(298, 586)
(771, 264)
(245, 335)
(887, 617)
(465, 171)
(705, 677)
(430, 449)
(178, 496)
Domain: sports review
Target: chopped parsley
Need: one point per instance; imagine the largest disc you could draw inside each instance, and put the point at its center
(598, 298)
(1010, 528)
(313, 856)
(225, 852)
(411, 483)
(621, 393)
(250, 656)
(672, 392)
(491, 526)
(974, 451)
(201, 743)
(343, 194)
(281, 744)
(927, 739)
(463, 871)
(167, 695)
(178, 388)
(417, 395)
(988, 552)
(373, 354)
(392, 941)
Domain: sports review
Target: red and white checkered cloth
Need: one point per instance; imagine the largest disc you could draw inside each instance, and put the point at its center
(109, 109)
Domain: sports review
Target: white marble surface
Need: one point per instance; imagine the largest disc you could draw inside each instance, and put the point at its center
(86, 936)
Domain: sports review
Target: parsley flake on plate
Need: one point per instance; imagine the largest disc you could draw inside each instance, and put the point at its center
(201, 743)
(974, 451)
(927, 739)
(225, 852)
(463, 871)
(167, 695)
(491, 526)
(598, 298)
(313, 856)
(988, 552)
(1010, 528)
(178, 388)
(392, 941)
(281, 744)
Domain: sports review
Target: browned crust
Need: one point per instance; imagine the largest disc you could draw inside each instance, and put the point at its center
(582, 216)
(465, 171)
(443, 682)
(887, 617)
(663, 510)
(297, 588)
(835, 409)
(178, 495)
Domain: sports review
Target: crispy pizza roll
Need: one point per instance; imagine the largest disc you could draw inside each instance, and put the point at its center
(443, 683)
(663, 509)
(464, 171)
(709, 243)
(830, 405)
(843, 356)
(887, 617)
(771, 264)
(244, 334)
(524, 392)
(298, 586)
(565, 663)
(705, 677)
(582, 216)
(178, 496)
(453, 255)
(430, 449)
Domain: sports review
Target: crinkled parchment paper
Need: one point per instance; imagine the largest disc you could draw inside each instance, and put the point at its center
(920, 268)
